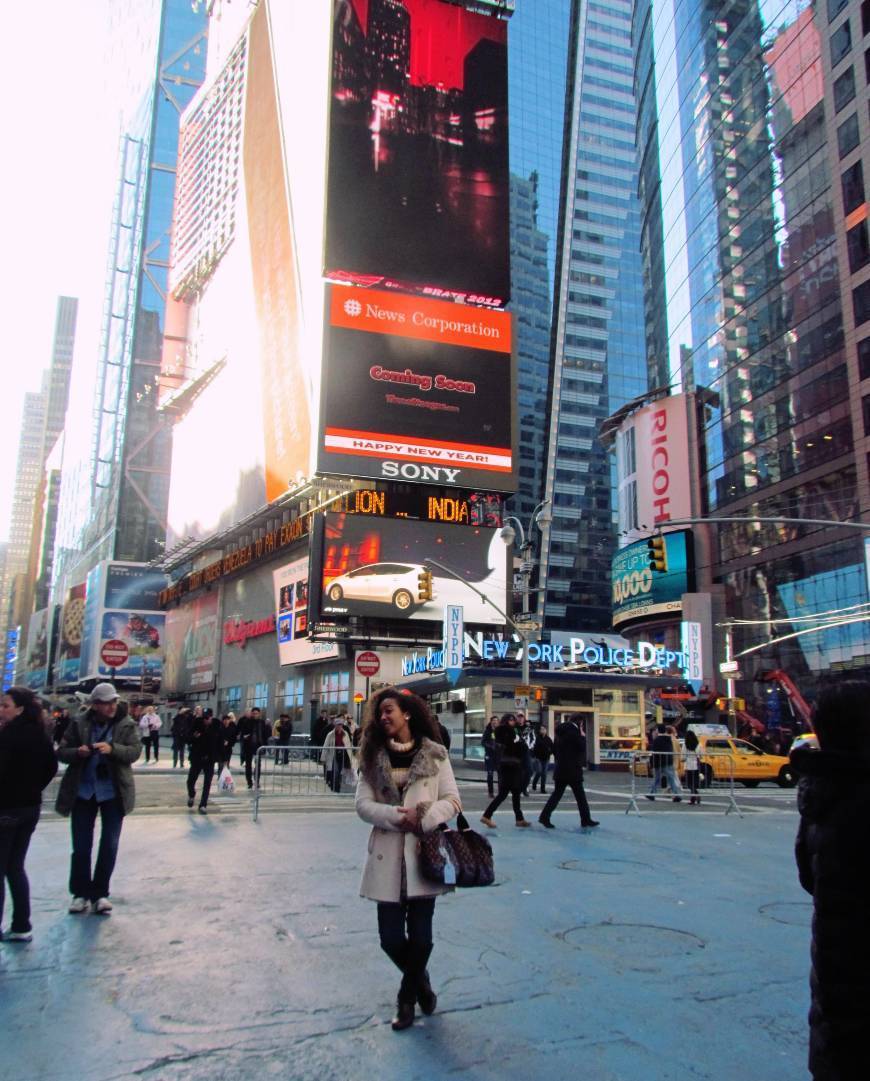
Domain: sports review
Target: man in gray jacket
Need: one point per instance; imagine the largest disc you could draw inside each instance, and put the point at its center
(99, 748)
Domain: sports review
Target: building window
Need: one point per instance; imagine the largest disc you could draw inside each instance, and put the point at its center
(853, 187)
(861, 303)
(847, 135)
(844, 89)
(841, 43)
(865, 401)
(858, 246)
(834, 8)
(864, 358)
(865, 17)
(259, 696)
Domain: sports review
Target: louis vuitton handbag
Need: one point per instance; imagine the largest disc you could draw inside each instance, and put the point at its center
(456, 857)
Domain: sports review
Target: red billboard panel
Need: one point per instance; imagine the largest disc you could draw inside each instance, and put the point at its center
(416, 389)
(417, 188)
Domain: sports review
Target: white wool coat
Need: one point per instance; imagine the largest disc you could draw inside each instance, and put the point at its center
(432, 788)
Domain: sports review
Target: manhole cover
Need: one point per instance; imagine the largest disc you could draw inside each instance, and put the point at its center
(634, 940)
(794, 913)
(603, 867)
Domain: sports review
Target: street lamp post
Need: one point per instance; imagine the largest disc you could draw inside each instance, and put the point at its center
(526, 621)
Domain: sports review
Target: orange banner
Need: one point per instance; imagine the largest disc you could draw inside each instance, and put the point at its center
(379, 312)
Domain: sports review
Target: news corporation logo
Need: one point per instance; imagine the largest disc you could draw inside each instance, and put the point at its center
(352, 308)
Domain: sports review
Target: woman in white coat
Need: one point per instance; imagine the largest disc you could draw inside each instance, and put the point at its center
(406, 787)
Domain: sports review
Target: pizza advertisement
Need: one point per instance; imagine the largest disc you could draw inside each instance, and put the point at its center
(69, 652)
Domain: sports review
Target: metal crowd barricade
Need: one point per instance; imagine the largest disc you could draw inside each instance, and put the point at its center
(293, 771)
(716, 774)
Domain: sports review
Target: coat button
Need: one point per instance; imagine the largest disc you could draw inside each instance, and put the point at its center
(380, 856)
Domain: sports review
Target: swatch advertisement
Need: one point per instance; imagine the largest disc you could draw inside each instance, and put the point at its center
(417, 187)
(383, 569)
(291, 604)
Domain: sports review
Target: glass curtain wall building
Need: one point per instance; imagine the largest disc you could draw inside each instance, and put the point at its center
(598, 333)
(113, 503)
(741, 181)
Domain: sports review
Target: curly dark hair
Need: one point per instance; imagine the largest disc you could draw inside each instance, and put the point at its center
(841, 719)
(420, 721)
(31, 704)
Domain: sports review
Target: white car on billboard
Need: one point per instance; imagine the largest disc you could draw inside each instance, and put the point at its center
(402, 585)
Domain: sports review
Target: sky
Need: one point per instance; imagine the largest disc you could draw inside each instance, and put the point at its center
(57, 184)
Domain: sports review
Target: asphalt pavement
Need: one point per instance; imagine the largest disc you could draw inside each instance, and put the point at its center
(663, 946)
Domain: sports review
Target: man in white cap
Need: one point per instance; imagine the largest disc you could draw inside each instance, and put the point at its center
(99, 747)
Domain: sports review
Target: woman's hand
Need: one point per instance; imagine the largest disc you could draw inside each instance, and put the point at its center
(407, 819)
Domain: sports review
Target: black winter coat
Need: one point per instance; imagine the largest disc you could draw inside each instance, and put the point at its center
(27, 764)
(570, 749)
(833, 862)
(206, 741)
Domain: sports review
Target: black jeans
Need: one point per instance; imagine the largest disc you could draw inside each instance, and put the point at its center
(152, 741)
(510, 782)
(247, 751)
(82, 820)
(16, 828)
(177, 752)
(405, 929)
(574, 781)
(205, 766)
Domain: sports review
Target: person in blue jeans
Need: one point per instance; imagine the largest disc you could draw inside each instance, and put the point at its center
(99, 748)
(662, 762)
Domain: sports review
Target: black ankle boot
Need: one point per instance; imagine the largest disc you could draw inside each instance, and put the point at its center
(426, 997)
(404, 1015)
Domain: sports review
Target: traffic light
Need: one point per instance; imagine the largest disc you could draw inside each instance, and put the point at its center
(424, 586)
(658, 558)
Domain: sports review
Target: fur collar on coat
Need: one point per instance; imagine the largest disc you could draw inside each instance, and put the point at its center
(426, 763)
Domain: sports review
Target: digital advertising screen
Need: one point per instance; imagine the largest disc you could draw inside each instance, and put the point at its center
(192, 642)
(417, 390)
(382, 568)
(69, 652)
(132, 586)
(141, 636)
(37, 650)
(291, 605)
(417, 185)
(640, 591)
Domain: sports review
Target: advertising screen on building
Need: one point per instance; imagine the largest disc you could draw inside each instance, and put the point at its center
(37, 651)
(417, 390)
(192, 642)
(124, 629)
(69, 650)
(379, 568)
(291, 604)
(417, 188)
(640, 590)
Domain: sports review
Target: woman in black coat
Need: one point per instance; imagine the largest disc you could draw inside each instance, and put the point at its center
(833, 862)
(27, 764)
(513, 751)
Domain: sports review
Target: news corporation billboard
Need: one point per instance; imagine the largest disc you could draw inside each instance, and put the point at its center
(417, 390)
(640, 591)
(417, 184)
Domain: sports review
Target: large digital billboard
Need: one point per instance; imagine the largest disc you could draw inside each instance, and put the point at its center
(192, 642)
(291, 604)
(36, 655)
(382, 569)
(417, 186)
(640, 590)
(69, 650)
(416, 390)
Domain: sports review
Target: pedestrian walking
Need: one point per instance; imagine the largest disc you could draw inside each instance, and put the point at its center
(206, 741)
(512, 751)
(406, 787)
(693, 766)
(27, 764)
(283, 732)
(180, 735)
(334, 756)
(833, 862)
(252, 736)
(229, 733)
(490, 753)
(542, 751)
(99, 748)
(662, 764)
(154, 727)
(570, 751)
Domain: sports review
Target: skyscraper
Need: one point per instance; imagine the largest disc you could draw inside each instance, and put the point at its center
(28, 477)
(752, 191)
(598, 350)
(113, 502)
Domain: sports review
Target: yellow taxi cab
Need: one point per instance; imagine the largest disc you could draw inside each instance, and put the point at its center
(720, 752)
